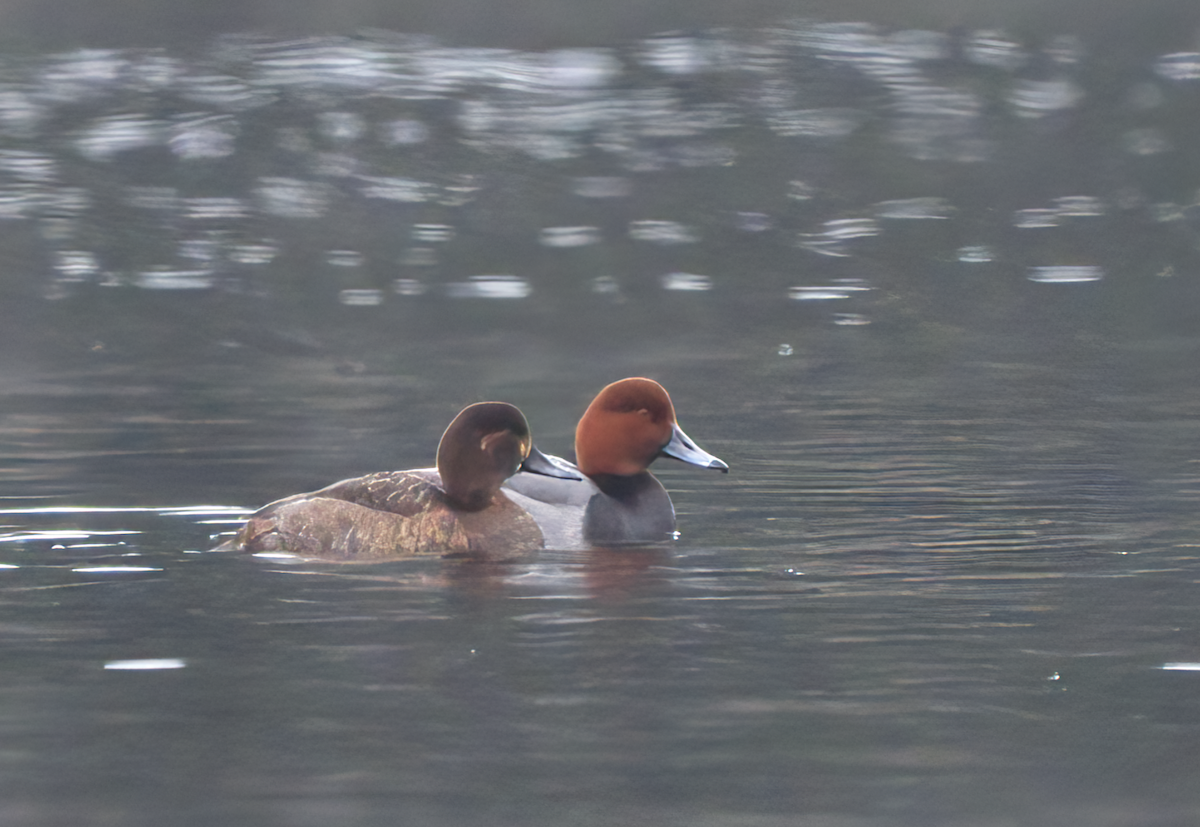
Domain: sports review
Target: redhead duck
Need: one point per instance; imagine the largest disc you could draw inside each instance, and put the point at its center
(455, 509)
(628, 425)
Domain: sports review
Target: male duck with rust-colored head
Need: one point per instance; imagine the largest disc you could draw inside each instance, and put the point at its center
(453, 510)
(628, 425)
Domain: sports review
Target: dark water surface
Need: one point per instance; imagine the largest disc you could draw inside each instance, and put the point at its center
(934, 295)
(902, 606)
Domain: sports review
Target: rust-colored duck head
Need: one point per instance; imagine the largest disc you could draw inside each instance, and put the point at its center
(629, 424)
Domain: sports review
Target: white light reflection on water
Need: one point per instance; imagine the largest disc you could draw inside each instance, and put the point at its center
(215, 209)
(815, 123)
(76, 265)
(662, 232)
(145, 664)
(432, 233)
(401, 190)
(164, 278)
(199, 249)
(837, 235)
(1079, 206)
(976, 254)
(107, 137)
(251, 254)
(686, 282)
(1066, 274)
(1065, 49)
(565, 237)
(203, 137)
(1036, 219)
(327, 63)
(360, 297)
(1179, 66)
(38, 536)
(1039, 98)
(344, 258)
(580, 68)
(490, 287)
(28, 166)
(675, 55)
(928, 207)
(649, 107)
(753, 222)
(30, 536)
(292, 197)
(115, 569)
(919, 44)
(75, 76)
(937, 122)
(172, 511)
(831, 292)
(409, 287)
(801, 191)
(223, 92)
(993, 48)
(807, 294)
(551, 104)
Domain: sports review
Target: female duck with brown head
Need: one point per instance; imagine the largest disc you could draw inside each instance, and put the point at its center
(628, 425)
(455, 509)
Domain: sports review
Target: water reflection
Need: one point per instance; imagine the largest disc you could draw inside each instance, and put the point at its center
(688, 282)
(835, 238)
(1179, 66)
(1066, 274)
(362, 142)
(146, 664)
(565, 237)
(489, 287)
(662, 232)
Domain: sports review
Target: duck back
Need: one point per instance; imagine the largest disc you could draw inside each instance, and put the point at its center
(389, 515)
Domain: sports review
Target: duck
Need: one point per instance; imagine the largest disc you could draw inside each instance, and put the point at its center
(455, 509)
(613, 499)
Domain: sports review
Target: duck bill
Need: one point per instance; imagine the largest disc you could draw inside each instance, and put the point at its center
(682, 448)
(539, 463)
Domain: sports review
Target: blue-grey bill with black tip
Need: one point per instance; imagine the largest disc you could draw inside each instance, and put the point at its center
(682, 448)
(539, 463)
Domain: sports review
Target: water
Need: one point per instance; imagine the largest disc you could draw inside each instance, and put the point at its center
(932, 295)
(893, 687)
(898, 608)
(370, 170)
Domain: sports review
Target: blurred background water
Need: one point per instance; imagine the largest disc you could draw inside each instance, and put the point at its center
(925, 274)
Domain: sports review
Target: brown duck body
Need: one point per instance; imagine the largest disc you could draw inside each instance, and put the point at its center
(389, 515)
(454, 510)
